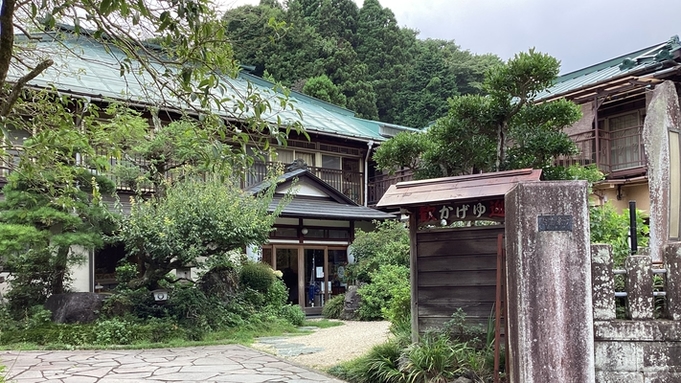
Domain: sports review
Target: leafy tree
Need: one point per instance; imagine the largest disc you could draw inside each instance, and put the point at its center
(39, 236)
(504, 129)
(323, 88)
(178, 52)
(404, 149)
(182, 58)
(53, 198)
(440, 70)
(387, 51)
(388, 244)
(195, 221)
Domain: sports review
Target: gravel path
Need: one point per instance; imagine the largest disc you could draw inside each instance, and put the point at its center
(327, 347)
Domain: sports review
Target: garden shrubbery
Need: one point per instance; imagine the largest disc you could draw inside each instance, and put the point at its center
(334, 307)
(132, 316)
(455, 350)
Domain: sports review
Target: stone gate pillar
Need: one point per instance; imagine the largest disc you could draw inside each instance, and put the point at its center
(550, 313)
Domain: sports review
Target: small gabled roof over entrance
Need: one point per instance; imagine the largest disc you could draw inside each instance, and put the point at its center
(423, 192)
(314, 198)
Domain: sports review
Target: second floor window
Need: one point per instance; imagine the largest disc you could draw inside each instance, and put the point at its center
(625, 147)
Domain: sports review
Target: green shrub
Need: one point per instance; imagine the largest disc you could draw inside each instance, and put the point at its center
(334, 307)
(257, 276)
(379, 365)
(138, 302)
(113, 331)
(386, 282)
(434, 359)
(38, 316)
(7, 322)
(125, 273)
(610, 227)
(156, 330)
(277, 294)
(292, 314)
(398, 309)
(387, 245)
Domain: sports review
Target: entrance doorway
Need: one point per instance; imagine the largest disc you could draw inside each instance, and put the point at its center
(312, 274)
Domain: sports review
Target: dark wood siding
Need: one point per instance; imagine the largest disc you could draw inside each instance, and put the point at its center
(456, 269)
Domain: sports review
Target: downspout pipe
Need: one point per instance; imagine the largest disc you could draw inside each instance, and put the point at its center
(370, 144)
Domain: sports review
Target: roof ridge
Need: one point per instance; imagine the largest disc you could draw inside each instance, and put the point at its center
(611, 62)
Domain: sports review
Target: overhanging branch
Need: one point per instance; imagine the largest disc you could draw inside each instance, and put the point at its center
(19, 85)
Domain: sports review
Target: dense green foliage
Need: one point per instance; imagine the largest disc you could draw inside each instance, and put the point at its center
(192, 313)
(334, 307)
(195, 221)
(355, 57)
(612, 228)
(388, 292)
(257, 276)
(381, 266)
(501, 130)
(439, 356)
(388, 244)
(53, 204)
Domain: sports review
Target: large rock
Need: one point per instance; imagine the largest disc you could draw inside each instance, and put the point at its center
(352, 302)
(74, 307)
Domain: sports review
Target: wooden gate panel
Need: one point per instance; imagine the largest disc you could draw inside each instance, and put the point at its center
(456, 269)
(463, 262)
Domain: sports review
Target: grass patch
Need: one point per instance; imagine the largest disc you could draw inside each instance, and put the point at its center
(244, 334)
(322, 323)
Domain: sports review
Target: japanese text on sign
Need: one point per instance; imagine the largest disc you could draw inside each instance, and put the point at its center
(462, 211)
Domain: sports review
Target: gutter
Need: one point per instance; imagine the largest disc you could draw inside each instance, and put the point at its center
(370, 144)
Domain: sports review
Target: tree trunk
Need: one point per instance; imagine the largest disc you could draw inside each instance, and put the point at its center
(501, 145)
(60, 270)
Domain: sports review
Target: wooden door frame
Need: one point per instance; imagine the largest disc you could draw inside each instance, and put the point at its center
(301, 268)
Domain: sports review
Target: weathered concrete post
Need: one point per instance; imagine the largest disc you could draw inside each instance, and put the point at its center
(639, 285)
(603, 282)
(672, 257)
(662, 145)
(550, 314)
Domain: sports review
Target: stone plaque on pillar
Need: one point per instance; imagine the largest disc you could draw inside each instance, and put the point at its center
(550, 313)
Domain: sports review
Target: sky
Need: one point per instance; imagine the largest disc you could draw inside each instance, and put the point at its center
(579, 33)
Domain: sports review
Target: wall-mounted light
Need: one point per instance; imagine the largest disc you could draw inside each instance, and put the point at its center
(304, 231)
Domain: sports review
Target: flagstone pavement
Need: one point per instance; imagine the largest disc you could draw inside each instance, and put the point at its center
(228, 363)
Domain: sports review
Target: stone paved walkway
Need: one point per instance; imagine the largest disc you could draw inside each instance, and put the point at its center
(229, 363)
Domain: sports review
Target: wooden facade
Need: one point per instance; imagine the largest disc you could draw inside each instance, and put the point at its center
(456, 268)
(454, 261)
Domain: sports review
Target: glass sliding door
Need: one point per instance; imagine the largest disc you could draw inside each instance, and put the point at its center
(338, 261)
(312, 274)
(315, 279)
(287, 262)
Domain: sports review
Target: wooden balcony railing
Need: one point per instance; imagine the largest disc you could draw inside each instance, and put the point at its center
(378, 185)
(614, 152)
(351, 184)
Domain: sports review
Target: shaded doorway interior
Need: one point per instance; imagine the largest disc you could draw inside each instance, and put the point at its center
(312, 274)
(106, 261)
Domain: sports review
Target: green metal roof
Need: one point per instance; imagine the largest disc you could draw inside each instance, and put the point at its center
(84, 67)
(639, 62)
